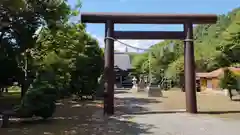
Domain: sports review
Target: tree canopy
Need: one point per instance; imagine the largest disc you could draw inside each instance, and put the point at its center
(216, 45)
(46, 54)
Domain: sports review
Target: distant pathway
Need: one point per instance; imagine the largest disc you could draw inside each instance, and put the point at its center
(143, 112)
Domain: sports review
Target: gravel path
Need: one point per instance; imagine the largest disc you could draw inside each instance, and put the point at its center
(142, 111)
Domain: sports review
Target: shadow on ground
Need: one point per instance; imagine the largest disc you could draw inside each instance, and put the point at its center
(8, 101)
(85, 118)
(183, 111)
(135, 106)
(120, 92)
(132, 105)
(218, 112)
(237, 100)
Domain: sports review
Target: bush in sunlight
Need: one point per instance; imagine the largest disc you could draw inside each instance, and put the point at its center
(39, 101)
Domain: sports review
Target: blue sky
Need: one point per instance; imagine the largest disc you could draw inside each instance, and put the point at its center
(151, 6)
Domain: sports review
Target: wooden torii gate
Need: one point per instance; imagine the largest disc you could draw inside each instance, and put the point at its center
(187, 20)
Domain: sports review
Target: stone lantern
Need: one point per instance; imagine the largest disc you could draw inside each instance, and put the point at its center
(154, 90)
(134, 81)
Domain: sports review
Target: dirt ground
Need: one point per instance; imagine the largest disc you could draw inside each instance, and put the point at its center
(86, 118)
(76, 118)
(7, 101)
(209, 104)
(66, 120)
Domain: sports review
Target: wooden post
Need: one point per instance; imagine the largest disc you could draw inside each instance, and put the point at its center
(104, 75)
(189, 69)
(5, 121)
(109, 68)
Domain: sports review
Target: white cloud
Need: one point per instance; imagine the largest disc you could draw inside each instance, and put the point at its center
(145, 44)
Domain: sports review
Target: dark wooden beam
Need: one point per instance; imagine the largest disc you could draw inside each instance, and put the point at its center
(149, 35)
(189, 70)
(130, 18)
(109, 76)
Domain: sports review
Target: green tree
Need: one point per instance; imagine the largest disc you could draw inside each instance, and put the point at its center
(228, 81)
(224, 35)
(19, 22)
(230, 48)
(43, 49)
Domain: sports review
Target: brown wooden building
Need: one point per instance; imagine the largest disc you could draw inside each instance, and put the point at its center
(211, 80)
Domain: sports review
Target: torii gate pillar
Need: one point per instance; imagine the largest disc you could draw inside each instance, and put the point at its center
(189, 69)
(109, 69)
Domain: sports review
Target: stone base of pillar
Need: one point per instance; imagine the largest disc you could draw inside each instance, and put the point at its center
(154, 91)
(226, 92)
(136, 88)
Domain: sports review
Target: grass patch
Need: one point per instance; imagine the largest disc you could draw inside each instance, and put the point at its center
(208, 104)
(14, 89)
(8, 100)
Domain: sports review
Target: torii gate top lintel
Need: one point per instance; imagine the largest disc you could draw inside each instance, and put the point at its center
(143, 18)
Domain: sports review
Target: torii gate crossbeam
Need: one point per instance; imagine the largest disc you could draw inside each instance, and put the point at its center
(187, 20)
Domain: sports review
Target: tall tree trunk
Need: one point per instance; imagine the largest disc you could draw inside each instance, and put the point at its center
(24, 87)
(6, 90)
(1, 92)
(23, 90)
(230, 93)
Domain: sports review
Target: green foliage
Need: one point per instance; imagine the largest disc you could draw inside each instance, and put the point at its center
(175, 69)
(139, 62)
(65, 56)
(235, 65)
(216, 45)
(230, 47)
(38, 100)
(160, 56)
(20, 20)
(49, 56)
(228, 80)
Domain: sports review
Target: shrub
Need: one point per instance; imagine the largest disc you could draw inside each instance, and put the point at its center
(228, 80)
(39, 101)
